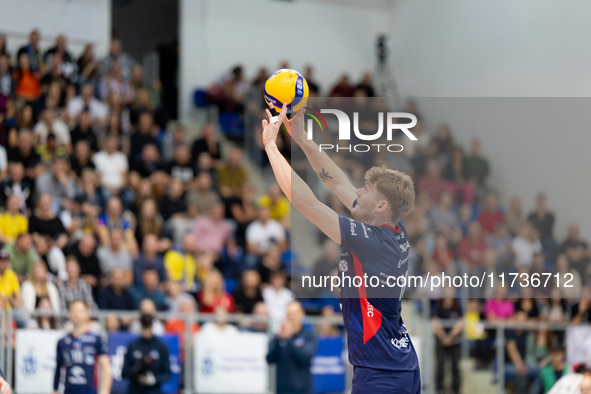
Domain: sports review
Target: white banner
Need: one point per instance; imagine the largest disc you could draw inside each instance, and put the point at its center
(233, 363)
(578, 345)
(35, 360)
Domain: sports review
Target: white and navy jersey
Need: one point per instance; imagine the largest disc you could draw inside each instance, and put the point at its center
(78, 357)
(376, 335)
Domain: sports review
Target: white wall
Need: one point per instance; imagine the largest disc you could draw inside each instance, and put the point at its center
(83, 21)
(217, 34)
(491, 48)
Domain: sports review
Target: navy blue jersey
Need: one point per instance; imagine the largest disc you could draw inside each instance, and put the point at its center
(79, 358)
(376, 335)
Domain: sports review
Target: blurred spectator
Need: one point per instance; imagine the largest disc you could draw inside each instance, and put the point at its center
(329, 259)
(432, 183)
(525, 245)
(32, 52)
(57, 184)
(202, 199)
(148, 288)
(207, 142)
(116, 82)
(114, 256)
(50, 152)
(25, 154)
(443, 255)
(313, 86)
(44, 322)
(366, 84)
(116, 295)
(499, 308)
(58, 73)
(581, 311)
(228, 92)
(28, 83)
(147, 361)
(214, 294)
(7, 83)
(264, 233)
(248, 293)
(49, 124)
(516, 367)
(292, 350)
(86, 102)
(43, 221)
(52, 256)
(277, 297)
(491, 215)
(12, 221)
(81, 161)
(147, 307)
(443, 138)
(37, 288)
(181, 167)
(180, 264)
(220, 323)
(149, 259)
(472, 247)
(116, 54)
(178, 326)
(150, 222)
(149, 162)
(88, 65)
(22, 255)
(476, 165)
(576, 249)
(554, 370)
(445, 220)
(277, 202)
(542, 219)
(213, 233)
(74, 288)
(85, 252)
(145, 135)
(448, 340)
(176, 294)
(111, 166)
(515, 218)
(269, 263)
(173, 208)
(342, 88)
(10, 291)
(84, 132)
(16, 184)
(232, 176)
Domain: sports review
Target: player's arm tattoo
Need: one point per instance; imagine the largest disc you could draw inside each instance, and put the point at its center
(324, 175)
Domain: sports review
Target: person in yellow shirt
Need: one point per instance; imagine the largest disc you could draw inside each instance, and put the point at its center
(277, 202)
(10, 290)
(180, 265)
(12, 222)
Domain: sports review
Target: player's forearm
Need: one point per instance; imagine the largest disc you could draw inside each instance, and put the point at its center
(294, 188)
(323, 166)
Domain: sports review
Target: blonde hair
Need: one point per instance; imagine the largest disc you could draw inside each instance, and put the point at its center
(396, 186)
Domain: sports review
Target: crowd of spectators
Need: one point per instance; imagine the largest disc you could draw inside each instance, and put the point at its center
(101, 203)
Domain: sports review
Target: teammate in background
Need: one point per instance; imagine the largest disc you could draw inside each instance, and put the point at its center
(373, 243)
(79, 353)
(4, 386)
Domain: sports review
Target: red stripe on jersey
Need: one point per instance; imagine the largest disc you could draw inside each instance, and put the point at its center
(372, 318)
(396, 229)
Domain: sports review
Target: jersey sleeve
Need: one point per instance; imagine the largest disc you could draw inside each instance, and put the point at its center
(102, 346)
(58, 367)
(359, 238)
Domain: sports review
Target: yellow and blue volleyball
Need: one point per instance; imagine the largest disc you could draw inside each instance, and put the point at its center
(286, 86)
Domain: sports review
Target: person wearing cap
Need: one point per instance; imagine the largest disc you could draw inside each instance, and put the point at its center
(10, 290)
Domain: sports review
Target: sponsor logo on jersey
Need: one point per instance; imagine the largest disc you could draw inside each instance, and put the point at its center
(365, 230)
(403, 261)
(343, 266)
(405, 246)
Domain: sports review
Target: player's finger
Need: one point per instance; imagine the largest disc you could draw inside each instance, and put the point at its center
(265, 123)
(282, 114)
(268, 113)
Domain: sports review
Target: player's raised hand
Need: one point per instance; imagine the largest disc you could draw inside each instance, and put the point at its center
(271, 127)
(5, 387)
(295, 126)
